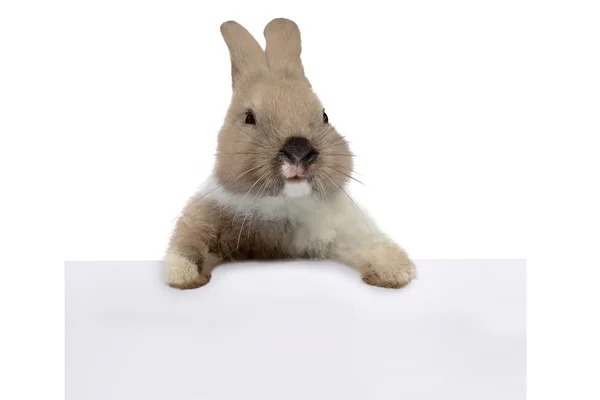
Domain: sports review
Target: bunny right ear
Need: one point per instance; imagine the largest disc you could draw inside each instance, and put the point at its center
(284, 48)
(247, 57)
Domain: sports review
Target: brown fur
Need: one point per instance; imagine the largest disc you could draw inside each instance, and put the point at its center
(206, 228)
(207, 235)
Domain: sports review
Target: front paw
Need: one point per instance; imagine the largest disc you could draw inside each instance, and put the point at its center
(181, 273)
(388, 266)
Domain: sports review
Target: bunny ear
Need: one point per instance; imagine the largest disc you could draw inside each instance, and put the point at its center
(247, 57)
(284, 48)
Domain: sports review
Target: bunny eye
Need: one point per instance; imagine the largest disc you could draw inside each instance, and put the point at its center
(325, 117)
(250, 119)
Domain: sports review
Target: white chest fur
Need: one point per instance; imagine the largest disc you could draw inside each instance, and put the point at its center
(294, 205)
(317, 223)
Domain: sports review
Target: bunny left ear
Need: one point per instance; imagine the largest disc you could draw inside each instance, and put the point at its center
(283, 48)
(247, 57)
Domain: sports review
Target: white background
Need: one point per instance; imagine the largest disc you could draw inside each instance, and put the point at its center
(474, 123)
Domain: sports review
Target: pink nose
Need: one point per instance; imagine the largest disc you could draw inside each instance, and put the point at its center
(292, 171)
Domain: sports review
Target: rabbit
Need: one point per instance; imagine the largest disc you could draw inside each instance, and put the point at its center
(278, 187)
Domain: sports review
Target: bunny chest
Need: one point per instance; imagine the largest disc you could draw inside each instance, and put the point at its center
(310, 222)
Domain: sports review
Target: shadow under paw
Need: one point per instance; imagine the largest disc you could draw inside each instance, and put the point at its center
(195, 283)
(373, 279)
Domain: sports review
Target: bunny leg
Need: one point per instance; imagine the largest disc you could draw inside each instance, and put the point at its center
(382, 264)
(189, 262)
(183, 271)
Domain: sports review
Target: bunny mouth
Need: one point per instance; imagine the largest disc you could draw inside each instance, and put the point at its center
(294, 172)
(296, 156)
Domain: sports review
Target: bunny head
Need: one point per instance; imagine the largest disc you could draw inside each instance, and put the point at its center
(276, 134)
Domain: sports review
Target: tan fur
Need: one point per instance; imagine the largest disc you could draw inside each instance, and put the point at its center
(183, 273)
(229, 222)
(384, 264)
(284, 48)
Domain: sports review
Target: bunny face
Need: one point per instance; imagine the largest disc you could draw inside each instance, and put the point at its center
(276, 138)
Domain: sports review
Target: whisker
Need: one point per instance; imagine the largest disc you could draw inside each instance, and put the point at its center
(340, 154)
(250, 224)
(334, 144)
(254, 144)
(258, 180)
(240, 129)
(347, 169)
(267, 137)
(350, 198)
(236, 179)
(260, 190)
(341, 139)
(321, 135)
(276, 133)
(324, 195)
(349, 176)
(244, 220)
(318, 136)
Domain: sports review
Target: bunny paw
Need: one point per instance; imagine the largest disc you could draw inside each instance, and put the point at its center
(388, 266)
(181, 273)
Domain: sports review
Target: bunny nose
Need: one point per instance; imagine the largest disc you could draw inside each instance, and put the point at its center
(299, 150)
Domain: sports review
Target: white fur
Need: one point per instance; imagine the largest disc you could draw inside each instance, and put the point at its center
(297, 189)
(318, 225)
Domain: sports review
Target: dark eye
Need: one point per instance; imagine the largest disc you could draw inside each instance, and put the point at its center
(325, 117)
(250, 120)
